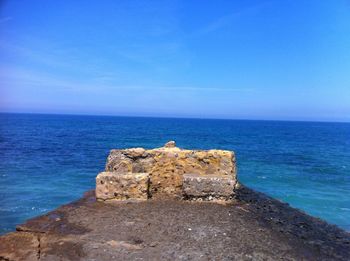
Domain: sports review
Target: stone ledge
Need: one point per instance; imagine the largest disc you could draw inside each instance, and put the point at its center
(208, 186)
(112, 185)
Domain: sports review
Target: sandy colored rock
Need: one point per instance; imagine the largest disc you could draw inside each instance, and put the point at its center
(20, 247)
(112, 185)
(208, 186)
(167, 165)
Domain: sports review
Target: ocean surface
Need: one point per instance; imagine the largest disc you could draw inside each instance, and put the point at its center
(50, 160)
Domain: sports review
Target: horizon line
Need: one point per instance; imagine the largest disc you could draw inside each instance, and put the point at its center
(170, 117)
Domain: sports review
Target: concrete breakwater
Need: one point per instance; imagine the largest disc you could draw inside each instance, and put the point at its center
(161, 204)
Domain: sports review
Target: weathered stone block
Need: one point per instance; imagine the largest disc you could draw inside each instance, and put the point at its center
(168, 164)
(112, 185)
(208, 186)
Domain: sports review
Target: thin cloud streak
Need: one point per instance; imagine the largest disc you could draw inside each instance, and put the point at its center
(23, 78)
(38, 55)
(5, 19)
(228, 19)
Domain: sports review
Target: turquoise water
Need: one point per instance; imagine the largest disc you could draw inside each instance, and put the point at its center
(49, 160)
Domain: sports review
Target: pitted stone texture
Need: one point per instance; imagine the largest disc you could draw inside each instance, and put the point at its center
(112, 185)
(167, 165)
(208, 186)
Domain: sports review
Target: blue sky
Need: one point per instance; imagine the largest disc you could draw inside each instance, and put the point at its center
(287, 60)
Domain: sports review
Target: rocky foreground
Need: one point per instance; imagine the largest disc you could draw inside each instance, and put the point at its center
(173, 204)
(251, 227)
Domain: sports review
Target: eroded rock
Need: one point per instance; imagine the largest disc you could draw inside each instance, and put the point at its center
(167, 165)
(112, 185)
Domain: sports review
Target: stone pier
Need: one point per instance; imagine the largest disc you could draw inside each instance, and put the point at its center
(118, 221)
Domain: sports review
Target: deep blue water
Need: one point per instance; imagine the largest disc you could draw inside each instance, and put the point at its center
(49, 160)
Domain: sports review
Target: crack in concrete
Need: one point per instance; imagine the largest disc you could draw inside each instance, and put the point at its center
(39, 247)
(26, 230)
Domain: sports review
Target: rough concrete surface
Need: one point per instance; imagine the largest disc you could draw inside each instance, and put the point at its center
(253, 227)
(205, 186)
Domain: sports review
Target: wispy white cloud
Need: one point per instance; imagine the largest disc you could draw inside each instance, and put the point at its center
(45, 55)
(5, 19)
(28, 90)
(14, 76)
(32, 60)
(218, 23)
(229, 18)
(60, 56)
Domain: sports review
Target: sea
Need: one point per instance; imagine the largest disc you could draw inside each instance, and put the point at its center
(50, 160)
